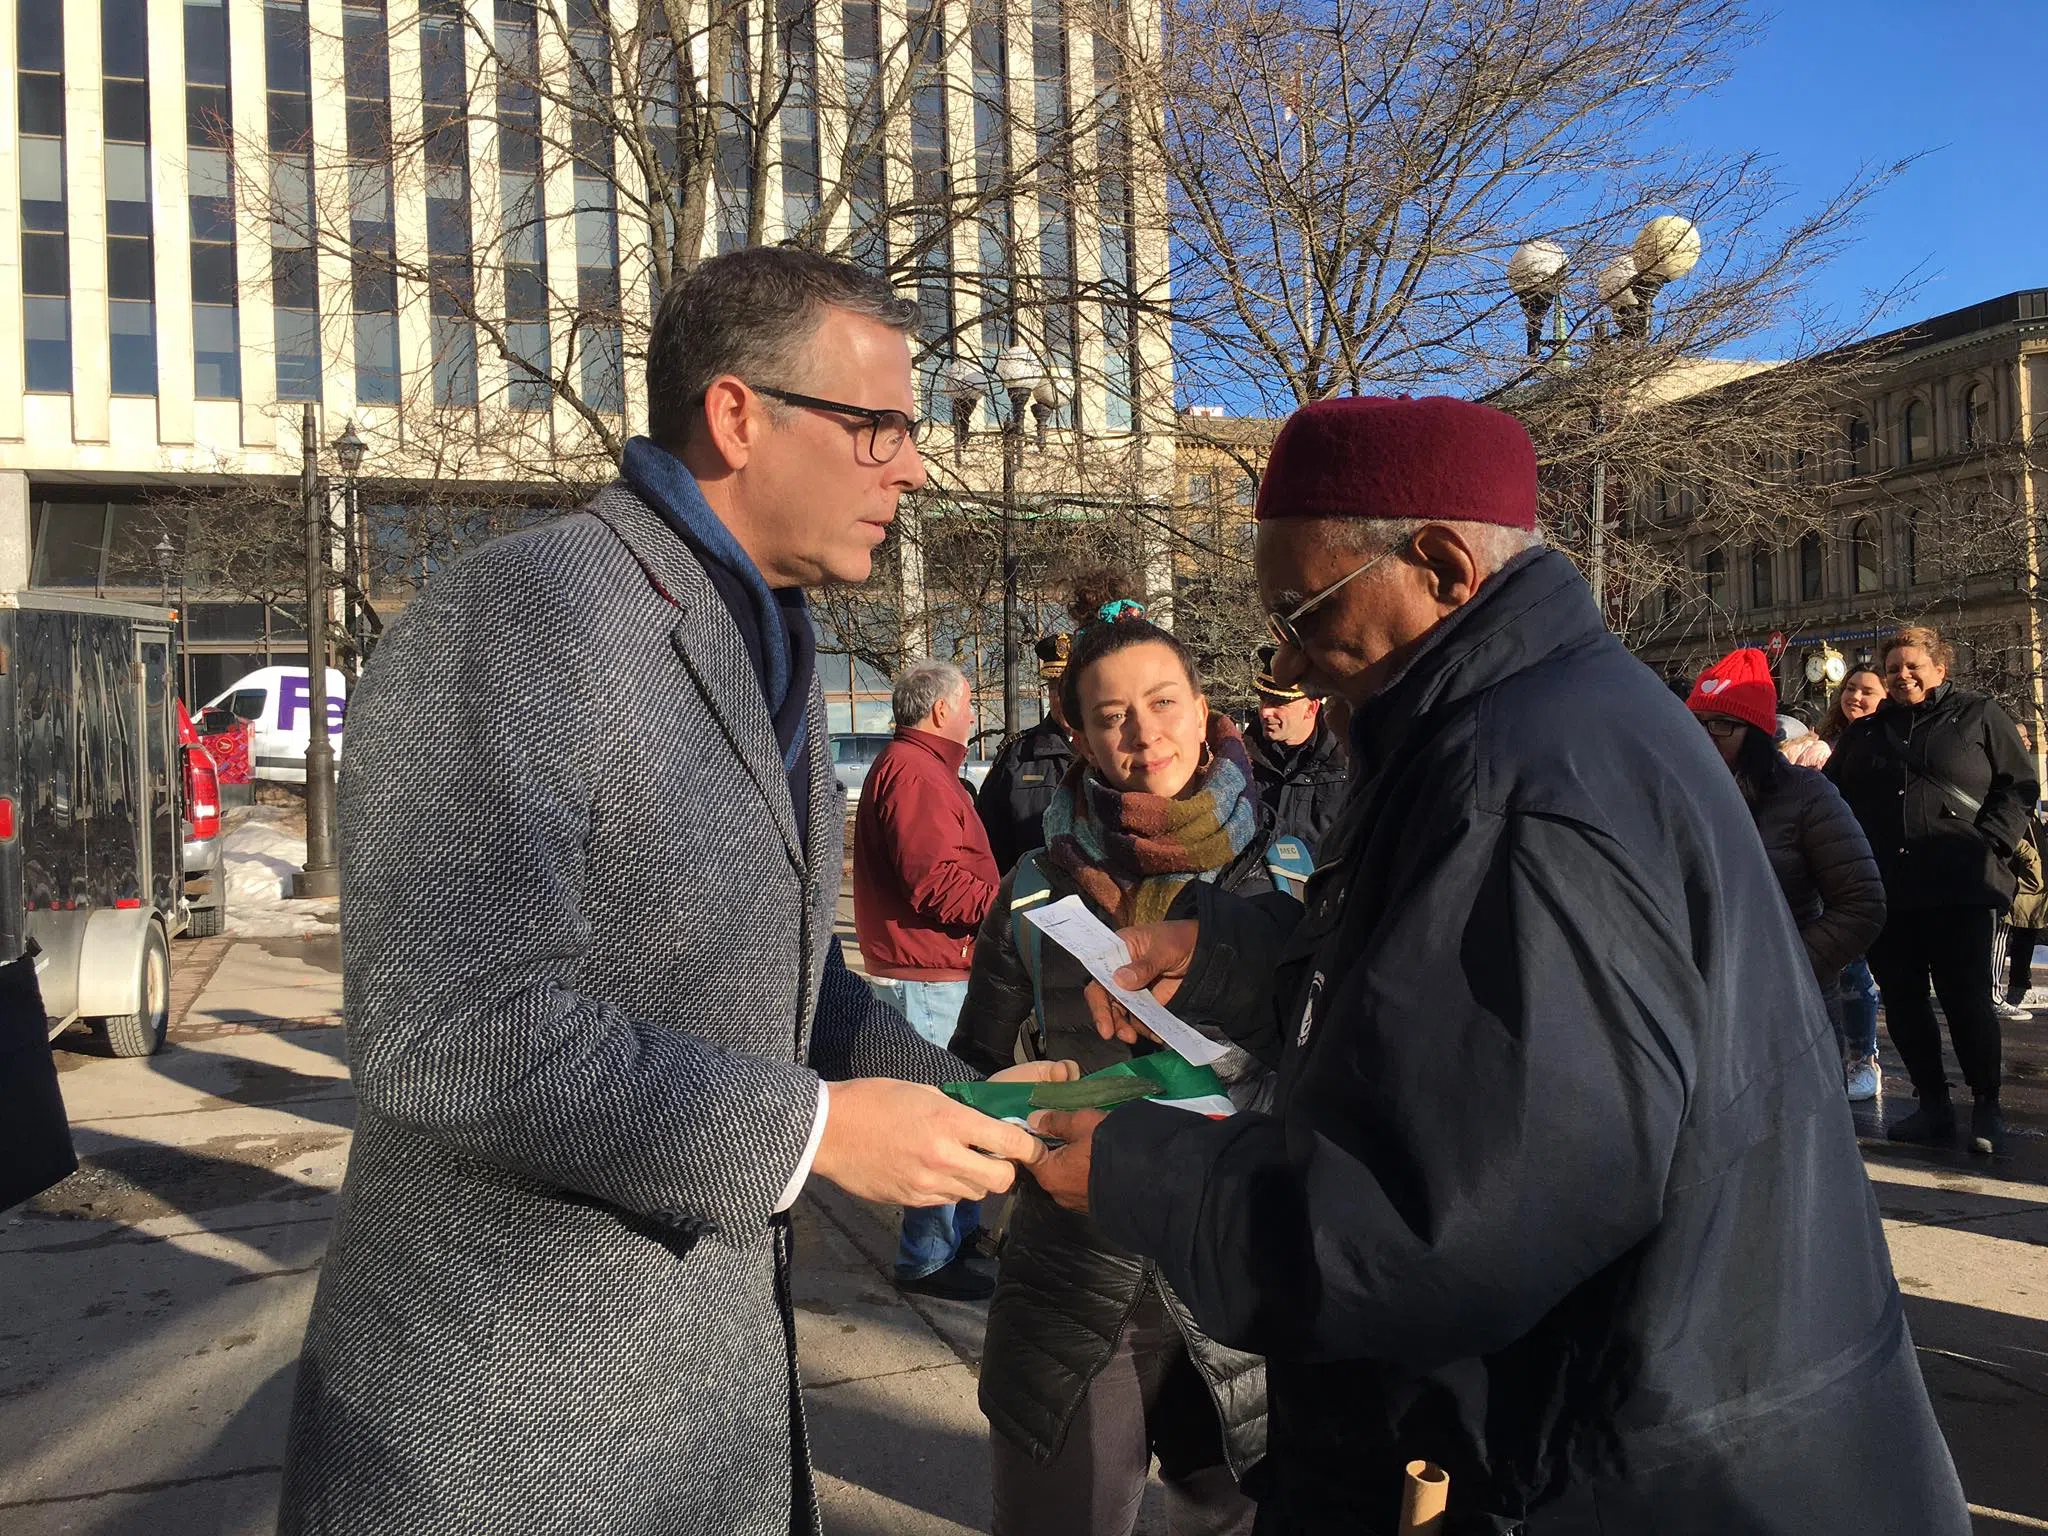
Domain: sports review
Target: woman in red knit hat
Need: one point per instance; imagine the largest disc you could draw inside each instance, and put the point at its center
(1816, 846)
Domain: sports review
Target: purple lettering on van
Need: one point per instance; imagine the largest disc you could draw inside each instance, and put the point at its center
(294, 695)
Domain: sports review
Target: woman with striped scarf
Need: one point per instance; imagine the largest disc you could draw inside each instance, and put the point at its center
(1091, 1366)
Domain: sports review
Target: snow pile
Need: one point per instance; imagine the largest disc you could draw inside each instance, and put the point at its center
(265, 848)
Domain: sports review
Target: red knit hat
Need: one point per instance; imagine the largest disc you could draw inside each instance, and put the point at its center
(1740, 686)
(1433, 458)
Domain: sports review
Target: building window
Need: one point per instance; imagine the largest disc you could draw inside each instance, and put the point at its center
(294, 280)
(1976, 417)
(1918, 433)
(733, 170)
(45, 242)
(1858, 436)
(930, 190)
(366, 68)
(131, 252)
(216, 361)
(1864, 557)
(1761, 594)
(799, 119)
(598, 344)
(988, 45)
(1714, 577)
(1117, 223)
(1812, 569)
(860, 25)
(451, 275)
(1909, 532)
(1055, 203)
(522, 206)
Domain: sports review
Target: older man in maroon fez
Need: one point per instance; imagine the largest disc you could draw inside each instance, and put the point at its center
(1558, 1189)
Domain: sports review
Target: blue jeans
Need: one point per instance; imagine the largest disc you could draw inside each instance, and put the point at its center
(933, 1235)
(1858, 1016)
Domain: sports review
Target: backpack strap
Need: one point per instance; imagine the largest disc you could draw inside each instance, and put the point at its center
(1290, 864)
(1029, 888)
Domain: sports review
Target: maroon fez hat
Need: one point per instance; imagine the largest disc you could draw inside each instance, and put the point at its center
(1435, 458)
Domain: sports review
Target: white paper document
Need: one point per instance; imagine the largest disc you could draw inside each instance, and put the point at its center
(1069, 924)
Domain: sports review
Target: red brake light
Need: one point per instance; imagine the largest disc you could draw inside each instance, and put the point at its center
(203, 788)
(6, 818)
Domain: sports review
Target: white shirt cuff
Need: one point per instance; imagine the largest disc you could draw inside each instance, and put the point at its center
(795, 1186)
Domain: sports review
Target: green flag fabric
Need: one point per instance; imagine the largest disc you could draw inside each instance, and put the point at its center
(1164, 1075)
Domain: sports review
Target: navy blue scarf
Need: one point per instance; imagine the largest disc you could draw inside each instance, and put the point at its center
(774, 624)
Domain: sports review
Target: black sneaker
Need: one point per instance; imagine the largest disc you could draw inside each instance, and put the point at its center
(1987, 1129)
(957, 1280)
(1933, 1124)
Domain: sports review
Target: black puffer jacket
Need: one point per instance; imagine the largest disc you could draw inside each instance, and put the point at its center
(1931, 850)
(1304, 785)
(1065, 1290)
(1019, 786)
(1824, 867)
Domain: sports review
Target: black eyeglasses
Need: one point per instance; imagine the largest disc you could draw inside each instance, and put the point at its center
(1720, 726)
(887, 431)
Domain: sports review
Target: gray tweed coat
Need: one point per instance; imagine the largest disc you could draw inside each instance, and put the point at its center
(591, 985)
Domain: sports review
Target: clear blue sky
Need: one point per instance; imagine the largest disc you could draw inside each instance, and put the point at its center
(1835, 83)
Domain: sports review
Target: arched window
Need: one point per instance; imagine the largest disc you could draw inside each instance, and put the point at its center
(1857, 435)
(1812, 566)
(1976, 416)
(1760, 583)
(1917, 433)
(1864, 558)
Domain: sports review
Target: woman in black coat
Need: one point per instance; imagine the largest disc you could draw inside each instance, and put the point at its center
(1816, 847)
(1944, 789)
(1091, 1366)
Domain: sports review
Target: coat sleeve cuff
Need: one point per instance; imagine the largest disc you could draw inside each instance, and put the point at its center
(1148, 1176)
(802, 1173)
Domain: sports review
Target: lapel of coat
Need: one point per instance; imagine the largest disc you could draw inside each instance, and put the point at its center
(708, 642)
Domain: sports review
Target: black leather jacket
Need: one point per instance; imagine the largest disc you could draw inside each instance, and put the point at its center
(1932, 850)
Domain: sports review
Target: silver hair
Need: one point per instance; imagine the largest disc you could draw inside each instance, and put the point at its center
(920, 688)
(1493, 545)
(752, 313)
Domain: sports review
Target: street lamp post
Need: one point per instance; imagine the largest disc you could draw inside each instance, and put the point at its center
(320, 879)
(348, 452)
(1665, 250)
(1019, 374)
(166, 562)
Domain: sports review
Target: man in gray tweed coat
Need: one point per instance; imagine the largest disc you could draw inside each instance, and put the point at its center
(591, 854)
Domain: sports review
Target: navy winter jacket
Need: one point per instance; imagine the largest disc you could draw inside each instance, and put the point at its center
(1560, 1190)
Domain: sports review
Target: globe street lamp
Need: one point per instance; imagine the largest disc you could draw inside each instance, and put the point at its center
(1536, 276)
(1665, 250)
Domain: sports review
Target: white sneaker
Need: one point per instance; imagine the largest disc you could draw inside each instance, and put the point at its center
(2014, 1011)
(1865, 1081)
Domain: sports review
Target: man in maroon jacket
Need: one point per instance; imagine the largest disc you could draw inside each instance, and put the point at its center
(923, 879)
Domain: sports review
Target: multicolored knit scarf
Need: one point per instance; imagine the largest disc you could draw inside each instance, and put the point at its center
(1132, 852)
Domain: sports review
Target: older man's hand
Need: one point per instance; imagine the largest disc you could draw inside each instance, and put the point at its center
(1160, 956)
(1063, 1171)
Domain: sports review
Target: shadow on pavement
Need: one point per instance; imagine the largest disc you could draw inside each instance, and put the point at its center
(1988, 1374)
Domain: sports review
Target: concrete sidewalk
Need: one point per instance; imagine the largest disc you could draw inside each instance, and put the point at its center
(154, 1302)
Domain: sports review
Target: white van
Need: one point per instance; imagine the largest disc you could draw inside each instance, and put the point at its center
(274, 702)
